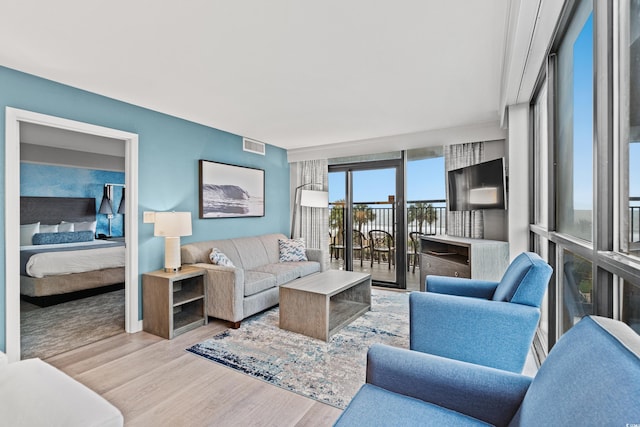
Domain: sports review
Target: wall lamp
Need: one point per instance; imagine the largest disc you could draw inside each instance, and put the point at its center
(106, 205)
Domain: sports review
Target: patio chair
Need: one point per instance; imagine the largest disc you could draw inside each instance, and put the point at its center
(381, 243)
(413, 250)
(336, 245)
(358, 244)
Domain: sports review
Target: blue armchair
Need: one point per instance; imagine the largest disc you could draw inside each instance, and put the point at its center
(488, 323)
(590, 378)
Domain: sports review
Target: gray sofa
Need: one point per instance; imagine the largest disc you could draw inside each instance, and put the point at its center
(251, 285)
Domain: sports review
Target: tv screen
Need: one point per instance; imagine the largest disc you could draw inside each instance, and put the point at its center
(479, 186)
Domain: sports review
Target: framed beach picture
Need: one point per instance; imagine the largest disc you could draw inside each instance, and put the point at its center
(229, 191)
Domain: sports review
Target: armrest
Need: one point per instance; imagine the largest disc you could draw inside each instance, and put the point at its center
(490, 395)
(490, 333)
(225, 291)
(460, 286)
(316, 255)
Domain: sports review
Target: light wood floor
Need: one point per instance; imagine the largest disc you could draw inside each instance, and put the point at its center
(155, 382)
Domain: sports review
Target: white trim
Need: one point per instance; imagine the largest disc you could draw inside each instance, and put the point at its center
(12, 217)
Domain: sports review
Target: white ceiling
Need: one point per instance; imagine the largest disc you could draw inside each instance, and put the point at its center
(290, 73)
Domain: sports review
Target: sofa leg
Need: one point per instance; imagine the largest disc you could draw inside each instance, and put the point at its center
(235, 325)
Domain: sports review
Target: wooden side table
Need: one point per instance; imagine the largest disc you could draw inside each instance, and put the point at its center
(173, 303)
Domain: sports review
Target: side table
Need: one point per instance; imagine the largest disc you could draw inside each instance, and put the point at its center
(173, 303)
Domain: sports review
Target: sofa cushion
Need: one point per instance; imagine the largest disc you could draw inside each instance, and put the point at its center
(307, 267)
(292, 250)
(251, 251)
(284, 272)
(271, 245)
(374, 406)
(257, 281)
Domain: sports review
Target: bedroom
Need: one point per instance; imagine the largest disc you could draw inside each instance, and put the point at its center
(70, 297)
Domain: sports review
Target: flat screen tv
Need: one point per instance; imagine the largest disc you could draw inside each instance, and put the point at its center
(479, 186)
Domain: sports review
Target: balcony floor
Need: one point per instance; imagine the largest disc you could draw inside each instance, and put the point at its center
(381, 272)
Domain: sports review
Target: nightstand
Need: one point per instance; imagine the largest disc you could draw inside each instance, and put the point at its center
(173, 303)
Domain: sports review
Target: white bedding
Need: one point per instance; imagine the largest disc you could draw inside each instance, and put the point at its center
(74, 261)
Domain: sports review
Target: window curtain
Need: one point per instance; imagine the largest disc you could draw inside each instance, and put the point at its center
(313, 223)
(464, 223)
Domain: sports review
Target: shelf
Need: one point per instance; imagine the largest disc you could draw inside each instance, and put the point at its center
(186, 296)
(185, 321)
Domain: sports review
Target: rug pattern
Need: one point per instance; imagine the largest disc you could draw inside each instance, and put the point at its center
(328, 372)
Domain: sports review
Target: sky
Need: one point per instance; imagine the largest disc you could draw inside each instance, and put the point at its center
(425, 181)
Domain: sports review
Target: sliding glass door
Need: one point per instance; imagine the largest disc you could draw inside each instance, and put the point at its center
(367, 220)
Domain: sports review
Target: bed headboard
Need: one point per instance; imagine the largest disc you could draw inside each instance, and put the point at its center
(52, 210)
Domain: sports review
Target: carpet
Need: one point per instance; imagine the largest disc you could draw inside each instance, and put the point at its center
(329, 372)
(45, 332)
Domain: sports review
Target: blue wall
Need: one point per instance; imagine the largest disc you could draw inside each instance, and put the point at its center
(169, 149)
(59, 181)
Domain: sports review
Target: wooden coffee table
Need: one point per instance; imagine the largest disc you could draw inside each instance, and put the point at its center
(321, 304)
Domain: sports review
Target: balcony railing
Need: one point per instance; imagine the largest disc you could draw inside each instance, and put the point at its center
(634, 219)
(424, 216)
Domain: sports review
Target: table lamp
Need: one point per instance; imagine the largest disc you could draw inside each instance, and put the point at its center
(172, 225)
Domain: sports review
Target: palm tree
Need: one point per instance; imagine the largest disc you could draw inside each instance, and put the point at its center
(362, 214)
(336, 217)
(422, 212)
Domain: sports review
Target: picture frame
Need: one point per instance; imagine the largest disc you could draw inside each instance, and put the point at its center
(230, 191)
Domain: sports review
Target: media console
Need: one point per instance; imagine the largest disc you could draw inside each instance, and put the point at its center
(462, 257)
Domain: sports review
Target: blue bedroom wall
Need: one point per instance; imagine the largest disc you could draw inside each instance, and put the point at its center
(169, 150)
(60, 181)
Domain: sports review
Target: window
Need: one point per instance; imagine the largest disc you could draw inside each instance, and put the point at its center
(575, 126)
(577, 288)
(631, 305)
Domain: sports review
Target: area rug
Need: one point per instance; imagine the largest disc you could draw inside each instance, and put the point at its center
(45, 332)
(328, 372)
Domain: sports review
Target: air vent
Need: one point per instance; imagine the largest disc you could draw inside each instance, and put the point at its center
(253, 146)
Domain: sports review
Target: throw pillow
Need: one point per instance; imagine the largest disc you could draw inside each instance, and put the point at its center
(219, 258)
(292, 250)
(64, 237)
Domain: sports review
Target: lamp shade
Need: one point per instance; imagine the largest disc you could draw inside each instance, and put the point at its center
(122, 207)
(314, 199)
(172, 224)
(105, 204)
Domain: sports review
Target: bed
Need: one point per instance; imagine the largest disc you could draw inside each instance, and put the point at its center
(65, 261)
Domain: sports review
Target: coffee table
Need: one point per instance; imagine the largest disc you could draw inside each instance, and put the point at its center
(321, 304)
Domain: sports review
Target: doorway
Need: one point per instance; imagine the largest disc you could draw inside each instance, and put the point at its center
(367, 220)
(14, 119)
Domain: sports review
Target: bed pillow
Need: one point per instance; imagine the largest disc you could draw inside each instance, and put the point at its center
(292, 250)
(64, 237)
(26, 233)
(82, 226)
(65, 226)
(48, 228)
(219, 258)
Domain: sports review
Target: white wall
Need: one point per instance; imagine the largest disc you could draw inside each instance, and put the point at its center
(519, 175)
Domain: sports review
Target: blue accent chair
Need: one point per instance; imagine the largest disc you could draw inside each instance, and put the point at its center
(488, 323)
(591, 377)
